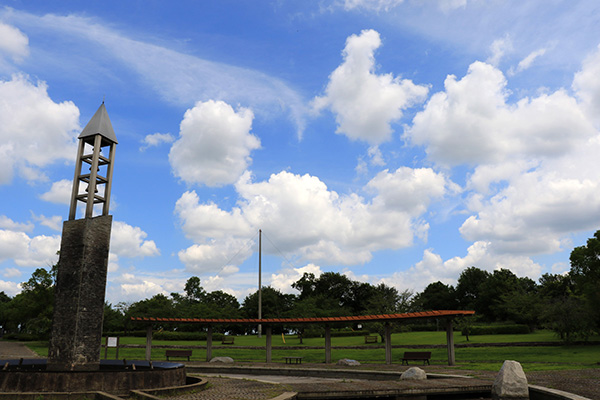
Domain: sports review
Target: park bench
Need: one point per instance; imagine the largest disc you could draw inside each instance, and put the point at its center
(424, 356)
(178, 353)
(227, 340)
(370, 339)
(293, 360)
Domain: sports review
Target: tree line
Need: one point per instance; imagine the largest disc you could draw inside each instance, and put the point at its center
(569, 304)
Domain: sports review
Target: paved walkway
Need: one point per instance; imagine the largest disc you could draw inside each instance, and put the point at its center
(15, 350)
(584, 382)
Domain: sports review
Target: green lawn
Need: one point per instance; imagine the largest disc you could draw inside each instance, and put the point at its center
(482, 358)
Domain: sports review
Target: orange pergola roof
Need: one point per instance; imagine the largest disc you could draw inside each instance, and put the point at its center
(359, 318)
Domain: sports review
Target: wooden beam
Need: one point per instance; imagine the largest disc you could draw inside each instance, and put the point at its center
(450, 342)
(209, 343)
(327, 344)
(148, 342)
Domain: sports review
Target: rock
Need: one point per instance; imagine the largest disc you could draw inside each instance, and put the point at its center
(510, 383)
(414, 373)
(347, 361)
(227, 360)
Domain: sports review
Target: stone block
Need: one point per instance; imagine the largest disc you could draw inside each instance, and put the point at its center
(414, 373)
(510, 383)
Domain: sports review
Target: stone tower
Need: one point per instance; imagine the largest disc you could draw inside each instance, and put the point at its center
(82, 266)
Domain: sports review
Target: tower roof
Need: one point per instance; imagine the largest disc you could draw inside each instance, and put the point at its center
(99, 125)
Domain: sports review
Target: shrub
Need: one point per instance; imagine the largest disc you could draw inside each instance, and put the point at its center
(496, 330)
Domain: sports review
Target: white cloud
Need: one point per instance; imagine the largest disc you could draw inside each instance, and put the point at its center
(13, 42)
(366, 104)
(156, 139)
(35, 131)
(284, 278)
(537, 208)
(128, 241)
(214, 144)
(9, 224)
(374, 5)
(310, 221)
(472, 123)
(527, 61)
(10, 288)
(587, 85)
(59, 193)
(433, 268)
(498, 49)
(25, 251)
(12, 273)
(178, 77)
(54, 222)
(387, 5)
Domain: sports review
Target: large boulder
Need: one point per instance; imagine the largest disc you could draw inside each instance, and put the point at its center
(510, 383)
(226, 360)
(413, 373)
(347, 361)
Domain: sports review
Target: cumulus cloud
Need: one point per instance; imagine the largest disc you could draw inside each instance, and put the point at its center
(537, 208)
(366, 104)
(26, 251)
(13, 42)
(128, 241)
(156, 139)
(59, 193)
(35, 131)
(433, 268)
(54, 222)
(587, 85)
(284, 278)
(214, 144)
(471, 122)
(309, 220)
(10, 225)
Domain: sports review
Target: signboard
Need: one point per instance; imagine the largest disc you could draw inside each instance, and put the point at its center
(111, 342)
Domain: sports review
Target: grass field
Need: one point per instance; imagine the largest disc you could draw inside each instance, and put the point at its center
(481, 358)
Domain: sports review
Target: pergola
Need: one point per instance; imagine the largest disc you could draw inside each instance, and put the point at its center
(387, 319)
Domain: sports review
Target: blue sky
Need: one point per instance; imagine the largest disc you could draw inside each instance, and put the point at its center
(393, 141)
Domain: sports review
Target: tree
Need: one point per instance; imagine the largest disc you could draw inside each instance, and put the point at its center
(585, 271)
(468, 288)
(31, 310)
(193, 290)
(274, 304)
(437, 296)
(490, 304)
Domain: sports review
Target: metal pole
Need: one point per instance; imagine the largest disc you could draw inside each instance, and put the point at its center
(259, 281)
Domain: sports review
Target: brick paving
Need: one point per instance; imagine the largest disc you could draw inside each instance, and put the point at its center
(583, 382)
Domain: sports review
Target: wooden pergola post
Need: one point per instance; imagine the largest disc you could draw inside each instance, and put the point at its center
(388, 343)
(148, 342)
(209, 333)
(269, 343)
(450, 341)
(327, 344)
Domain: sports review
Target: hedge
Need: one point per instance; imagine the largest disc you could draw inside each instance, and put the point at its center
(496, 330)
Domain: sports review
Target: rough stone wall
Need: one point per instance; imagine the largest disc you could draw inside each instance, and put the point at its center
(79, 295)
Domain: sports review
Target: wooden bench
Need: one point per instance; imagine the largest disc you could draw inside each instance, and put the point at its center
(370, 339)
(178, 353)
(227, 340)
(424, 356)
(296, 360)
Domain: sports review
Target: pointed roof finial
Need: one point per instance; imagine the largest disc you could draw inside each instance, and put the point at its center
(99, 124)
